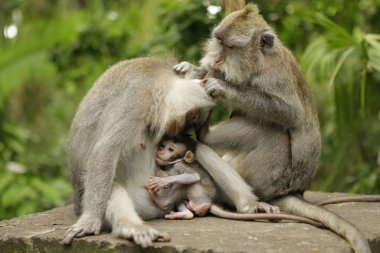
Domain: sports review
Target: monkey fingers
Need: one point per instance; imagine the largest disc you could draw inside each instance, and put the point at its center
(256, 206)
(214, 88)
(158, 183)
(183, 67)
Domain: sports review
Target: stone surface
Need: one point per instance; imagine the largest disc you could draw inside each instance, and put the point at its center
(43, 232)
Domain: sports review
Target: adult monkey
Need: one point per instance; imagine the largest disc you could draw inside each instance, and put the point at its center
(272, 138)
(113, 140)
(134, 102)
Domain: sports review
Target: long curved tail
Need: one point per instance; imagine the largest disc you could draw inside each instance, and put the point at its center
(221, 213)
(298, 206)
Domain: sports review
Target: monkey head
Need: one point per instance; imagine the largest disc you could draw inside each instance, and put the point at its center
(174, 149)
(239, 45)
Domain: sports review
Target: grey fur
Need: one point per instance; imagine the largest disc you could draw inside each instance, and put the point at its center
(272, 138)
(133, 102)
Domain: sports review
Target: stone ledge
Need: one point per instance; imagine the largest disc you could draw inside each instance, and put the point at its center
(43, 232)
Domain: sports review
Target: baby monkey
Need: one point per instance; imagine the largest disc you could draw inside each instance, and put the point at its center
(189, 189)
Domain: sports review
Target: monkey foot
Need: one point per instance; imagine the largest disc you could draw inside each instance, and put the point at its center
(257, 207)
(141, 234)
(183, 215)
(86, 225)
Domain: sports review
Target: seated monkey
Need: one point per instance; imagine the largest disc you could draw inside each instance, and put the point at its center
(189, 188)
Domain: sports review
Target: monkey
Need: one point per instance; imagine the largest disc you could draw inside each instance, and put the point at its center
(184, 176)
(188, 182)
(113, 139)
(272, 137)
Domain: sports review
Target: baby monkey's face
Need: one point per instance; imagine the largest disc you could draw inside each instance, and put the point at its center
(169, 151)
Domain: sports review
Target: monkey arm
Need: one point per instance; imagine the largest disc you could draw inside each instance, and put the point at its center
(280, 105)
(157, 183)
(183, 174)
(98, 190)
(230, 182)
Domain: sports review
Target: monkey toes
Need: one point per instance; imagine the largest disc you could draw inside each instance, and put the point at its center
(86, 225)
(258, 207)
(183, 215)
(142, 235)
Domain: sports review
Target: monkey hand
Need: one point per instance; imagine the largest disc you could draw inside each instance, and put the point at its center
(163, 174)
(157, 183)
(87, 224)
(254, 206)
(214, 88)
(184, 67)
(141, 234)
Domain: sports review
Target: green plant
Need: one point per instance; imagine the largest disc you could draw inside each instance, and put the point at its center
(345, 67)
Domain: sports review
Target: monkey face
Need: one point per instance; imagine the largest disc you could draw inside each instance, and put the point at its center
(169, 152)
(238, 45)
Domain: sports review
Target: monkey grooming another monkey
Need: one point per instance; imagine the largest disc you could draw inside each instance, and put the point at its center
(272, 137)
(113, 139)
(190, 188)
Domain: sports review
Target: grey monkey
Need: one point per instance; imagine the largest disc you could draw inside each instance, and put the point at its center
(272, 137)
(134, 100)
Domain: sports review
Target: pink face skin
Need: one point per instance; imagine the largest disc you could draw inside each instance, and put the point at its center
(168, 152)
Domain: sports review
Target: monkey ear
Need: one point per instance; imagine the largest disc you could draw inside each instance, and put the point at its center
(251, 8)
(189, 157)
(267, 39)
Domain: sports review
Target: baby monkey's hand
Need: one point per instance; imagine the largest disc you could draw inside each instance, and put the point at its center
(157, 183)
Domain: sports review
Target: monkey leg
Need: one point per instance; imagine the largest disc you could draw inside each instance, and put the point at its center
(126, 223)
(199, 209)
(233, 185)
(199, 199)
(183, 213)
(167, 202)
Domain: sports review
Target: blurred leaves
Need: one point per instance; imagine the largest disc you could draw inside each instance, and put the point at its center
(345, 64)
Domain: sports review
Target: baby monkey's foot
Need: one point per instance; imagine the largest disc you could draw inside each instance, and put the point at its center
(183, 215)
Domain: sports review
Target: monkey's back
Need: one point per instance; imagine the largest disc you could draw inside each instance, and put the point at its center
(131, 101)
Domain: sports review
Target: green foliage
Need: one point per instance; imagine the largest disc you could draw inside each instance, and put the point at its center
(346, 64)
(63, 46)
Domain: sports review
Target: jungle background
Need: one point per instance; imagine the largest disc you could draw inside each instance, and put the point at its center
(51, 52)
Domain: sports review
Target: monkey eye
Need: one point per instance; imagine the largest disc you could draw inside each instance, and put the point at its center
(220, 41)
(229, 46)
(171, 149)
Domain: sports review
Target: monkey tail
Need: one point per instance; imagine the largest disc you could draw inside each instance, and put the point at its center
(221, 213)
(298, 206)
(345, 199)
